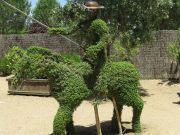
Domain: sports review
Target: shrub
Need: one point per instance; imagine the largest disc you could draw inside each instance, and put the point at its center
(174, 50)
(57, 31)
(39, 50)
(71, 58)
(13, 56)
(4, 70)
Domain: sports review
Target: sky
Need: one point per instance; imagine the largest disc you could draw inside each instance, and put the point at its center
(33, 2)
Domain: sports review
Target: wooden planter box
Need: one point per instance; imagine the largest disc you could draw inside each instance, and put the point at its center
(37, 87)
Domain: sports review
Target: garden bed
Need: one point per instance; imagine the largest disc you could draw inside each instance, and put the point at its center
(36, 87)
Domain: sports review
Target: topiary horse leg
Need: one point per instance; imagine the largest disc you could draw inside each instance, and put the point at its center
(137, 109)
(114, 123)
(63, 122)
(70, 127)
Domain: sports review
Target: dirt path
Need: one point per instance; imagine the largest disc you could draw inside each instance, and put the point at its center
(28, 115)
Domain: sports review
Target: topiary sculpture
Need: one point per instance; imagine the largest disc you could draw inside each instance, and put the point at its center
(72, 80)
(117, 80)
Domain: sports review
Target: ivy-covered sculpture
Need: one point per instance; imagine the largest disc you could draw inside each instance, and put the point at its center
(73, 80)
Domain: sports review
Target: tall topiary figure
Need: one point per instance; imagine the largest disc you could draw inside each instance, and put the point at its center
(119, 80)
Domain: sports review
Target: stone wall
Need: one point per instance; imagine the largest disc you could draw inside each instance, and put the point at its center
(153, 61)
(57, 43)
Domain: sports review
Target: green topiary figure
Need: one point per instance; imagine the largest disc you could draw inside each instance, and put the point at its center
(119, 80)
(72, 80)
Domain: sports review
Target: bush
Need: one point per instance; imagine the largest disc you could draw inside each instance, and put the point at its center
(13, 56)
(174, 50)
(71, 58)
(4, 70)
(38, 50)
(37, 62)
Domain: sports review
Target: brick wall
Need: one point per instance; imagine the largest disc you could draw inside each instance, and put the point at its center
(153, 61)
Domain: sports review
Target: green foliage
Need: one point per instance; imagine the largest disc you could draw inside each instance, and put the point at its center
(174, 49)
(172, 22)
(11, 21)
(57, 31)
(38, 50)
(65, 74)
(121, 80)
(33, 64)
(29, 67)
(46, 11)
(118, 74)
(63, 116)
(137, 18)
(70, 90)
(71, 57)
(124, 49)
(13, 56)
(72, 13)
(100, 27)
(93, 52)
(4, 70)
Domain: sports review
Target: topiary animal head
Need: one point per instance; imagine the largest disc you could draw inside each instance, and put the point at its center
(99, 27)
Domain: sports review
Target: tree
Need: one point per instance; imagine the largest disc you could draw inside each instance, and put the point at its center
(172, 22)
(11, 21)
(46, 11)
(135, 17)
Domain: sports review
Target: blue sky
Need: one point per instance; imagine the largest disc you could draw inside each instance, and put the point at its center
(33, 2)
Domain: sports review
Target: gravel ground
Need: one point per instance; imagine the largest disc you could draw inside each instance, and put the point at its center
(29, 115)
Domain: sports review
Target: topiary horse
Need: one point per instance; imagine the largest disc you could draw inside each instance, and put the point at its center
(117, 80)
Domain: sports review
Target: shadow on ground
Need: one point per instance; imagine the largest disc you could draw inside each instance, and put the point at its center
(105, 126)
(170, 82)
(144, 92)
(178, 101)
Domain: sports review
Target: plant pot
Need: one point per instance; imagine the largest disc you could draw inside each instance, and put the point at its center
(35, 87)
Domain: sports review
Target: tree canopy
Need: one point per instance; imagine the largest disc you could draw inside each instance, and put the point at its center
(46, 11)
(11, 21)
